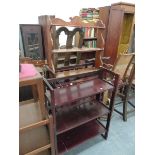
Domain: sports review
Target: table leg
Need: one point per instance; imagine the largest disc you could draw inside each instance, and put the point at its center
(40, 90)
(34, 92)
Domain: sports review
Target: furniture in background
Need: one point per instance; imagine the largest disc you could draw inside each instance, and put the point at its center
(36, 134)
(76, 104)
(31, 41)
(119, 21)
(126, 93)
(124, 67)
(25, 92)
(29, 76)
(39, 64)
(56, 53)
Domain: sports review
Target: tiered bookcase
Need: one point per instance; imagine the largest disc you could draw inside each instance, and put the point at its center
(76, 104)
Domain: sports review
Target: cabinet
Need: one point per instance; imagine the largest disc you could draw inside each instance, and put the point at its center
(55, 53)
(36, 134)
(76, 104)
(119, 19)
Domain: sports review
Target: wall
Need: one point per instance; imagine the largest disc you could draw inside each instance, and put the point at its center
(30, 10)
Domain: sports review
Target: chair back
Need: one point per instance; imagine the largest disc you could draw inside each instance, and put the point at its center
(122, 64)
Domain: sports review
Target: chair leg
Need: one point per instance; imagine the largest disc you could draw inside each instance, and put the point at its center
(125, 102)
(125, 111)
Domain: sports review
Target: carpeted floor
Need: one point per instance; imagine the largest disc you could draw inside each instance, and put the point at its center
(121, 139)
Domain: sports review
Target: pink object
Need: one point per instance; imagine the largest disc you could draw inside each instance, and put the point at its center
(27, 70)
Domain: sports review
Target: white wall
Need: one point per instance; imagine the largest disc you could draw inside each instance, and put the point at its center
(30, 9)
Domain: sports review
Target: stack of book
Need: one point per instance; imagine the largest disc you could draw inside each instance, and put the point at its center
(89, 37)
(89, 15)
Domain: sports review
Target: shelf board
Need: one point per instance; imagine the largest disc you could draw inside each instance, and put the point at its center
(84, 49)
(71, 138)
(76, 116)
(75, 72)
(63, 58)
(71, 93)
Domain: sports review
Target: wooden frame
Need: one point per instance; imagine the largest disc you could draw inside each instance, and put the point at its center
(81, 98)
(32, 41)
(33, 119)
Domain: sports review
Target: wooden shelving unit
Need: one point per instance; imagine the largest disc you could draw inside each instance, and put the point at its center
(71, 54)
(76, 105)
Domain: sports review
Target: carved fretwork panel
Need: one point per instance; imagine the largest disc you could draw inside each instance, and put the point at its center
(69, 44)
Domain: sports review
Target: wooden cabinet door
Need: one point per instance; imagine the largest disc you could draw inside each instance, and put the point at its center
(113, 34)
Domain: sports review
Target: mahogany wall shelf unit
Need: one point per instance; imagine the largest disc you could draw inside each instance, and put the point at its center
(36, 134)
(68, 52)
(76, 103)
(119, 21)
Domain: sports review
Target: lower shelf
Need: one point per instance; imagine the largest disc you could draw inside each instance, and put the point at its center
(78, 135)
(72, 117)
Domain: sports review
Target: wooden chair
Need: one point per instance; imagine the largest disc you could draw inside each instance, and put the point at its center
(121, 65)
(125, 93)
(125, 68)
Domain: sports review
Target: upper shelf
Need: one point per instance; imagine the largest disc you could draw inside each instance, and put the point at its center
(84, 49)
(71, 93)
(77, 22)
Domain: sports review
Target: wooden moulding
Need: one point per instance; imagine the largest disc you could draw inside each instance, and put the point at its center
(77, 22)
(127, 7)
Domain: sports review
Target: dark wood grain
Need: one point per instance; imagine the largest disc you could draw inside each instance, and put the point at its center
(119, 21)
(76, 116)
(72, 138)
(113, 34)
(72, 93)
